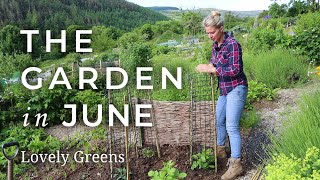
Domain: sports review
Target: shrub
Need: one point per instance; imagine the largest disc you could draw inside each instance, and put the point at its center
(268, 35)
(136, 55)
(162, 50)
(307, 22)
(91, 99)
(306, 43)
(11, 63)
(13, 97)
(291, 167)
(307, 33)
(258, 91)
(168, 172)
(51, 101)
(278, 68)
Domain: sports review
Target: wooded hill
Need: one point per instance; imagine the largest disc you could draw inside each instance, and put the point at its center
(163, 8)
(59, 14)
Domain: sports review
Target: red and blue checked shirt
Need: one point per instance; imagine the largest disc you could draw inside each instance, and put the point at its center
(229, 66)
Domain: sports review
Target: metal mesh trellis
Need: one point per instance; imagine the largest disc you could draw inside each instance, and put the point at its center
(149, 135)
(202, 114)
(130, 139)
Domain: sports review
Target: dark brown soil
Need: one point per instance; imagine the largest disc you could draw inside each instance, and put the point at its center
(178, 154)
(139, 166)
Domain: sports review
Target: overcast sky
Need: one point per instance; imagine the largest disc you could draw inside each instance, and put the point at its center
(235, 5)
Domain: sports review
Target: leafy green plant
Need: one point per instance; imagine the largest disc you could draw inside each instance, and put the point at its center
(36, 145)
(91, 99)
(168, 172)
(51, 101)
(148, 152)
(203, 160)
(44, 144)
(121, 174)
(13, 97)
(258, 91)
(291, 167)
(32, 140)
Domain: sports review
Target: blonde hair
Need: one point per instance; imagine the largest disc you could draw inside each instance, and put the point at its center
(213, 20)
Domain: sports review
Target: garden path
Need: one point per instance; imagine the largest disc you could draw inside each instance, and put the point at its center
(272, 115)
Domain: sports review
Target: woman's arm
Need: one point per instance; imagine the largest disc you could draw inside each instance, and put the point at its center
(206, 68)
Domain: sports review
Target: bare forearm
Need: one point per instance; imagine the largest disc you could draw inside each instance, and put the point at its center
(206, 68)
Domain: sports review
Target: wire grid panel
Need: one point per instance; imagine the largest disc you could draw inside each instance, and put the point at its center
(122, 139)
(148, 134)
(202, 125)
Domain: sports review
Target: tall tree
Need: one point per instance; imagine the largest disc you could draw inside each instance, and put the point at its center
(277, 10)
(192, 22)
(11, 42)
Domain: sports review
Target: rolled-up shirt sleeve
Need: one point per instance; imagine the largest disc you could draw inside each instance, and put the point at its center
(234, 56)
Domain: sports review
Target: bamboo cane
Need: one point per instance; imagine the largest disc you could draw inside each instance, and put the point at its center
(110, 135)
(215, 125)
(190, 121)
(154, 126)
(126, 128)
(135, 134)
(127, 153)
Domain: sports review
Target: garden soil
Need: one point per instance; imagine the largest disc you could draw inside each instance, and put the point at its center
(254, 142)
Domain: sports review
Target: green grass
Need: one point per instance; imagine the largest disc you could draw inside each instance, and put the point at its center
(171, 61)
(302, 129)
(249, 119)
(278, 68)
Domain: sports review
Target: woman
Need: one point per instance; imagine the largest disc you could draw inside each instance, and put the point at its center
(226, 63)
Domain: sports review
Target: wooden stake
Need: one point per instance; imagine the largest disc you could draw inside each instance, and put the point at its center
(154, 125)
(110, 135)
(190, 121)
(127, 152)
(126, 129)
(101, 66)
(72, 69)
(134, 128)
(215, 126)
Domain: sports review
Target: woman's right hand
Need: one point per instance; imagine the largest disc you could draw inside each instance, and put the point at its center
(206, 68)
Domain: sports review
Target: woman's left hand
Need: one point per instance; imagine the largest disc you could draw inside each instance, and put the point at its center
(206, 68)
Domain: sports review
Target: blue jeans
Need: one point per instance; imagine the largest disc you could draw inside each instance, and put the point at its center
(228, 113)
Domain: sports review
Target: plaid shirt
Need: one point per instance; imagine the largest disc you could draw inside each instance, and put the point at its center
(229, 66)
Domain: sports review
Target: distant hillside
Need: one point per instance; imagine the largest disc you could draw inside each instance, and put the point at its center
(59, 14)
(206, 11)
(176, 14)
(162, 8)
